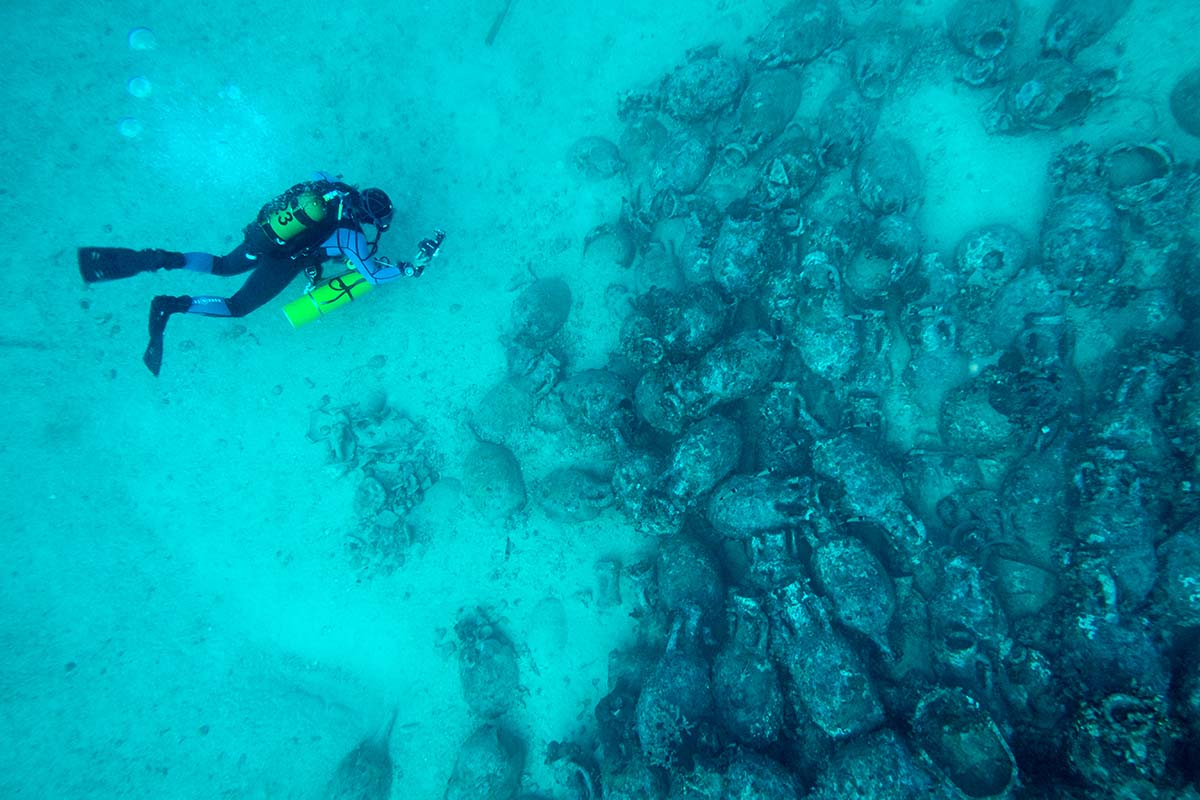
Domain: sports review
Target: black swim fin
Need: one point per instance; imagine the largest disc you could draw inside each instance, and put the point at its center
(161, 309)
(109, 263)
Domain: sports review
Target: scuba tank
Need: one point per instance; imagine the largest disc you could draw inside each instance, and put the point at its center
(343, 289)
(327, 296)
(303, 215)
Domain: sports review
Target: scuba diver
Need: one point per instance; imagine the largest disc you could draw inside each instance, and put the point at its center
(308, 225)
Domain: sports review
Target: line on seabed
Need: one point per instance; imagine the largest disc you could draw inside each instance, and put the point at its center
(491, 37)
(27, 344)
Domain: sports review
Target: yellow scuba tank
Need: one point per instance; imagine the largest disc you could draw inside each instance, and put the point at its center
(326, 296)
(300, 215)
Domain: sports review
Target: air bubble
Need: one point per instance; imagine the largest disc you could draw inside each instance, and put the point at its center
(130, 127)
(142, 39)
(139, 87)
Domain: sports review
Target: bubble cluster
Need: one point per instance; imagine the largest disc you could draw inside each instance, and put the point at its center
(139, 86)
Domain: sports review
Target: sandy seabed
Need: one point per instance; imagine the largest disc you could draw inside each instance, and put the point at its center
(179, 616)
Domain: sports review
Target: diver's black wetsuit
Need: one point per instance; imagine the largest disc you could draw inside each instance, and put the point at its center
(272, 264)
(270, 273)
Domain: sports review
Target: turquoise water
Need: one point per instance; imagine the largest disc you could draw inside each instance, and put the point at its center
(202, 597)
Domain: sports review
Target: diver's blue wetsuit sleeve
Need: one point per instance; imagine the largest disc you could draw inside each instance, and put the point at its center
(351, 244)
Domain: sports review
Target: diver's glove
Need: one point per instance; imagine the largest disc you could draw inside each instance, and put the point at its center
(312, 274)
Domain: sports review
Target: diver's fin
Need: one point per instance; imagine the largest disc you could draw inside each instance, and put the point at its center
(161, 309)
(109, 263)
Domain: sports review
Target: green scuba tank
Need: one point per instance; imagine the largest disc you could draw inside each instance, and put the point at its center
(326, 296)
(301, 216)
